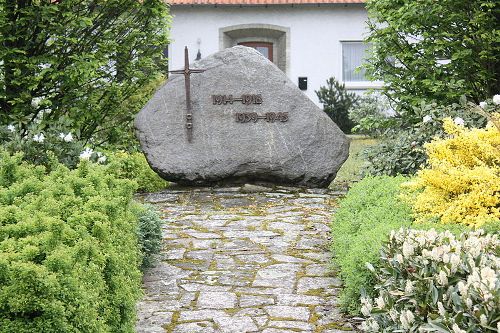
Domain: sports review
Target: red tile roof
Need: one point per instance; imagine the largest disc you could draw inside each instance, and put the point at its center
(260, 2)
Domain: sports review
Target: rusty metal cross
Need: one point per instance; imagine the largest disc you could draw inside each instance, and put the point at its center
(187, 81)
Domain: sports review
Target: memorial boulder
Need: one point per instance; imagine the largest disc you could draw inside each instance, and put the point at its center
(234, 117)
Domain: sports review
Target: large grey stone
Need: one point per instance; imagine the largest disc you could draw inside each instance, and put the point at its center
(307, 149)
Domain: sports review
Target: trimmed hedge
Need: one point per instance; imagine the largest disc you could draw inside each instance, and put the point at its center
(362, 223)
(69, 252)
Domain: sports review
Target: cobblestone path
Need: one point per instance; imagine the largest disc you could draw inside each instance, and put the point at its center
(242, 262)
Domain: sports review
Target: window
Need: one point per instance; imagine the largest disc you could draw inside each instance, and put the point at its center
(265, 48)
(353, 55)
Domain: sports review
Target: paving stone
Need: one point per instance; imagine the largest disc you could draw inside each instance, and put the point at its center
(236, 324)
(191, 315)
(276, 330)
(300, 325)
(216, 300)
(200, 327)
(252, 300)
(234, 262)
(288, 312)
(317, 270)
(295, 299)
(278, 275)
(306, 284)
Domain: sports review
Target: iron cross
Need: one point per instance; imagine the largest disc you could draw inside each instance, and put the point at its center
(187, 81)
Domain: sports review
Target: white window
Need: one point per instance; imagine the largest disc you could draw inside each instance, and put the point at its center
(353, 56)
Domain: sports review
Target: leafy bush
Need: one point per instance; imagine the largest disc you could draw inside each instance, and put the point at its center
(91, 65)
(434, 282)
(134, 166)
(370, 115)
(148, 233)
(42, 147)
(365, 217)
(462, 182)
(434, 51)
(337, 102)
(402, 149)
(69, 255)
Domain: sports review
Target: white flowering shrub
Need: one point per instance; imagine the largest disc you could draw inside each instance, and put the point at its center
(436, 282)
(46, 146)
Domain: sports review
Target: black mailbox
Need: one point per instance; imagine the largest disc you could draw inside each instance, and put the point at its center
(302, 83)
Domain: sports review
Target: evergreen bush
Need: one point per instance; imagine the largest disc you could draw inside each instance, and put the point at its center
(69, 254)
(337, 102)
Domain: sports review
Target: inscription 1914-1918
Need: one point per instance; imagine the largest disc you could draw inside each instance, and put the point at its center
(229, 99)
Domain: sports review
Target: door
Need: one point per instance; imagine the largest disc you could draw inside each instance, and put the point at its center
(265, 48)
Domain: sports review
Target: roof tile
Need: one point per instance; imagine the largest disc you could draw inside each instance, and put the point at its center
(260, 2)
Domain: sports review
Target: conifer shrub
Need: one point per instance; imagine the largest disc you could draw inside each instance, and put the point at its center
(370, 210)
(134, 166)
(148, 234)
(69, 257)
(462, 182)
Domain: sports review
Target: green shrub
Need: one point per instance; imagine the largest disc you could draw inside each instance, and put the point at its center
(365, 218)
(402, 149)
(134, 166)
(370, 115)
(148, 233)
(435, 282)
(69, 255)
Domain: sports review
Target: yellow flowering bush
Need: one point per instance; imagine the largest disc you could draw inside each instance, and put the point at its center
(462, 182)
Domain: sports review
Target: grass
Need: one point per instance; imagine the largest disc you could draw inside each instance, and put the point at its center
(351, 169)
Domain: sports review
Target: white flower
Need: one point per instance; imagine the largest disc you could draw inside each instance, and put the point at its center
(39, 138)
(365, 311)
(380, 302)
(86, 154)
(35, 102)
(406, 319)
(409, 287)
(407, 249)
(459, 121)
(496, 99)
(374, 326)
(11, 128)
(457, 329)
(399, 258)
(68, 137)
(426, 119)
(393, 314)
(483, 105)
(102, 159)
(410, 316)
(483, 320)
(441, 310)
(443, 278)
(468, 302)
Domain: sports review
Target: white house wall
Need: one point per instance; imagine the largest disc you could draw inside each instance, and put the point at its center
(316, 33)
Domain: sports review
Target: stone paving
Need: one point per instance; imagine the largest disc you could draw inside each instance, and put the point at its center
(242, 262)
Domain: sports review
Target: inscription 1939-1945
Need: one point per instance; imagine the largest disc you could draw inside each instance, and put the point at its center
(270, 117)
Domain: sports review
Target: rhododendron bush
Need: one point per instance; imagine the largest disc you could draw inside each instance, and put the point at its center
(462, 182)
(435, 282)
